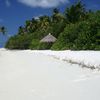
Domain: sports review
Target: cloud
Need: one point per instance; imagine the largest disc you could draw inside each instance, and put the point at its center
(43, 3)
(8, 4)
(37, 17)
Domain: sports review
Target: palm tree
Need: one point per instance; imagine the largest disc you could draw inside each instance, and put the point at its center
(3, 30)
(44, 22)
(57, 16)
(75, 13)
(20, 30)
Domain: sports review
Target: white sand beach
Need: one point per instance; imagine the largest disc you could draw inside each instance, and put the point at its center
(33, 75)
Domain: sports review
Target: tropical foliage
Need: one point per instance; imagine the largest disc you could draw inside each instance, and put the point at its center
(75, 29)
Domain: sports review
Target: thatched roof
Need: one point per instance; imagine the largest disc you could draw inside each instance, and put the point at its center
(48, 38)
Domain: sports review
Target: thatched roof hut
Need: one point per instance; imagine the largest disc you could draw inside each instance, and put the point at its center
(49, 38)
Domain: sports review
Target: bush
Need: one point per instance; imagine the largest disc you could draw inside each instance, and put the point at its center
(80, 36)
(34, 44)
(44, 46)
(19, 42)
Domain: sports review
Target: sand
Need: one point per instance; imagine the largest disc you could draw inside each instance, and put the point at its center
(27, 75)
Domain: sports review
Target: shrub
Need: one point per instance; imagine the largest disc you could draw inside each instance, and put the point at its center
(34, 44)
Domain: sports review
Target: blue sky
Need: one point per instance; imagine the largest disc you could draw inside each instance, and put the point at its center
(14, 13)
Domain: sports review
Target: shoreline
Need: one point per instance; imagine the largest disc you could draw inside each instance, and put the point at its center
(87, 59)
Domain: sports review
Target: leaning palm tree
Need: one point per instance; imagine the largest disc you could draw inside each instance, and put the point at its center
(3, 30)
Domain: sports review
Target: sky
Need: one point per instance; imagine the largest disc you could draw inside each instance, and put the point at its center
(14, 13)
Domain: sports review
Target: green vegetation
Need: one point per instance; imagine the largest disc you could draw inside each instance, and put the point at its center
(76, 29)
